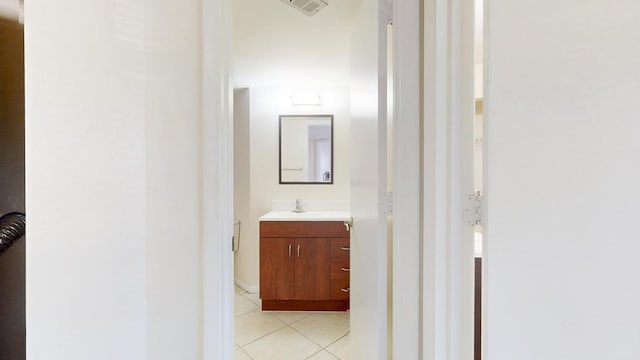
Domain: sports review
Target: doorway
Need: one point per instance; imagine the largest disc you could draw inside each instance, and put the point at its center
(288, 63)
(434, 257)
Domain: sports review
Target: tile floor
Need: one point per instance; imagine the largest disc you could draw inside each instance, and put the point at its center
(278, 335)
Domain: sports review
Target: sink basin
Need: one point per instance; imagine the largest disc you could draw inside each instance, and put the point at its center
(306, 216)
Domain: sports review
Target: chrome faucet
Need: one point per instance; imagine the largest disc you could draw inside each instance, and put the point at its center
(299, 208)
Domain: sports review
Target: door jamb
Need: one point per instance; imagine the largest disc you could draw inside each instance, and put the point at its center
(217, 327)
(407, 172)
(446, 307)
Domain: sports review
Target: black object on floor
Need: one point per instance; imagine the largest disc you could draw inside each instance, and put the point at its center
(13, 226)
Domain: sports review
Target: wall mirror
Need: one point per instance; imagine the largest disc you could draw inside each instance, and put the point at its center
(306, 149)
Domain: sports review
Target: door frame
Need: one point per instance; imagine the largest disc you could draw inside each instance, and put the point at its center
(447, 258)
(407, 172)
(433, 126)
(429, 264)
(217, 327)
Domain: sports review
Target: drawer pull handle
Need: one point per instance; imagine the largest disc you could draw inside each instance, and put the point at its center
(345, 269)
(289, 250)
(345, 248)
(345, 290)
(298, 250)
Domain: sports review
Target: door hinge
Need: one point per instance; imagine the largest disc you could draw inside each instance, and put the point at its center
(348, 224)
(473, 209)
(387, 9)
(388, 203)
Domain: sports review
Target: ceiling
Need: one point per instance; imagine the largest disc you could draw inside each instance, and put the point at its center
(276, 45)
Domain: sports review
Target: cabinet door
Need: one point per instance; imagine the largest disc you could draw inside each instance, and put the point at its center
(276, 268)
(312, 269)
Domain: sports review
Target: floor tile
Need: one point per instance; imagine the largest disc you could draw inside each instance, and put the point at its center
(284, 344)
(255, 325)
(341, 349)
(290, 316)
(241, 355)
(242, 305)
(323, 329)
(254, 298)
(323, 355)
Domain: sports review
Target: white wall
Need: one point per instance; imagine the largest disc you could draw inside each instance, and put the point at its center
(276, 45)
(265, 106)
(478, 47)
(368, 295)
(562, 240)
(241, 165)
(173, 203)
(86, 267)
(115, 168)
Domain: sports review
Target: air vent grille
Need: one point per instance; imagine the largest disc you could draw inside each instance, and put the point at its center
(309, 7)
(299, 3)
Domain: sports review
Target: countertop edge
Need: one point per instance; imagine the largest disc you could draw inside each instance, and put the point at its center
(343, 216)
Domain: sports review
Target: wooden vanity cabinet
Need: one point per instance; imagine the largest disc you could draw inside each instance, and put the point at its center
(304, 265)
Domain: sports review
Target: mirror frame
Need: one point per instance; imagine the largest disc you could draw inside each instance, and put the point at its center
(281, 117)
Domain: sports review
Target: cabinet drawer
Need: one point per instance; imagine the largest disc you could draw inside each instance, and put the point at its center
(340, 271)
(340, 289)
(340, 258)
(340, 249)
(301, 229)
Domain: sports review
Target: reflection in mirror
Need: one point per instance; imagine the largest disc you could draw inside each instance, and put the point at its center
(306, 149)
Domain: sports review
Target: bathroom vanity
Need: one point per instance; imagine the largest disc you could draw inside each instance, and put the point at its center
(304, 261)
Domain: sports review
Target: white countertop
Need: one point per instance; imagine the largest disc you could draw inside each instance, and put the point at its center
(306, 216)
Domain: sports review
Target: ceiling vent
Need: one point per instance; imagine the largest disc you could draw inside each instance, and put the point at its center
(309, 7)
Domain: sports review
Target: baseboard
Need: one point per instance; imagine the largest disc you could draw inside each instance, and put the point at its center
(305, 305)
(247, 288)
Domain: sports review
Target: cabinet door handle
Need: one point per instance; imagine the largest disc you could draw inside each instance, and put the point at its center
(298, 250)
(345, 269)
(345, 290)
(345, 248)
(289, 250)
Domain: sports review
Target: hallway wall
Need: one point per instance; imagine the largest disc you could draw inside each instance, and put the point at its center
(12, 188)
(562, 240)
(119, 101)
